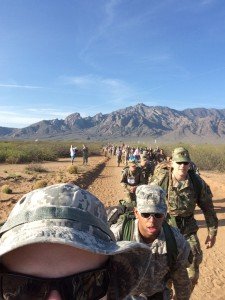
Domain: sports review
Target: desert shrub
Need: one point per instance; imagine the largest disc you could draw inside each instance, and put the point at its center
(14, 177)
(35, 168)
(2, 156)
(29, 151)
(72, 169)
(205, 156)
(6, 189)
(40, 184)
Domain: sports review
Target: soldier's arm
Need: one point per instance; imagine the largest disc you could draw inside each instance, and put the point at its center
(179, 275)
(124, 180)
(206, 204)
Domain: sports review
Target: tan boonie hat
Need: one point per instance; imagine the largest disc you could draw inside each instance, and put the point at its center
(66, 214)
(151, 199)
(181, 154)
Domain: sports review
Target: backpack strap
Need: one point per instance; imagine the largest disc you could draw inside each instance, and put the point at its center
(128, 226)
(171, 245)
(197, 183)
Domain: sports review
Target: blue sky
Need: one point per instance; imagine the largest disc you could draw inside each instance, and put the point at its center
(89, 56)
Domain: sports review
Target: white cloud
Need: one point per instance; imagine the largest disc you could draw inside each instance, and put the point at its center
(17, 120)
(115, 90)
(19, 86)
(22, 117)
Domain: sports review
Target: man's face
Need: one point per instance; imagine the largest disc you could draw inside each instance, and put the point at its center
(180, 168)
(144, 163)
(150, 227)
(132, 168)
(51, 261)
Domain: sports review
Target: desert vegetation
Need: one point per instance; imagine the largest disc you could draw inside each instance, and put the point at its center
(31, 151)
(205, 156)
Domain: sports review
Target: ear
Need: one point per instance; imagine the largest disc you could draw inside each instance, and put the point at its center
(135, 212)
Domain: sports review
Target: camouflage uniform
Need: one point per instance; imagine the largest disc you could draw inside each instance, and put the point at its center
(146, 172)
(182, 199)
(85, 155)
(65, 214)
(159, 270)
(131, 179)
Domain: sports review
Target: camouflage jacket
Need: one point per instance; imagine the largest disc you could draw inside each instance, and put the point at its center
(147, 172)
(158, 272)
(182, 199)
(131, 178)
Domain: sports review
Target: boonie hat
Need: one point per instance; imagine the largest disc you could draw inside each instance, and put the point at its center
(181, 154)
(151, 199)
(66, 214)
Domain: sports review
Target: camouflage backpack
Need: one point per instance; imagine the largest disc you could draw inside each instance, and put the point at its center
(125, 210)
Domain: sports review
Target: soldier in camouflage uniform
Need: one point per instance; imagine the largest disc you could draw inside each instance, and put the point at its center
(184, 191)
(147, 169)
(131, 178)
(56, 244)
(150, 213)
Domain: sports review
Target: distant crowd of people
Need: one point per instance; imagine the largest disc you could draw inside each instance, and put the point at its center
(125, 153)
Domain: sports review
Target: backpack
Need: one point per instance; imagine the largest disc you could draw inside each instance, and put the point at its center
(125, 210)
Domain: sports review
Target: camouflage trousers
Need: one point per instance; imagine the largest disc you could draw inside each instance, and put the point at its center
(130, 197)
(193, 270)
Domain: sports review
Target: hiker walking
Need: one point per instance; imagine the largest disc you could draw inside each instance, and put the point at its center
(119, 155)
(170, 250)
(85, 155)
(185, 189)
(131, 178)
(72, 153)
(147, 169)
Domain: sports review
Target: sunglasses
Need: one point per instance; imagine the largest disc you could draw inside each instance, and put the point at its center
(183, 163)
(154, 215)
(90, 285)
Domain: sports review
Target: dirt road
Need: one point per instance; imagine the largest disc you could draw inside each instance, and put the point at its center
(102, 178)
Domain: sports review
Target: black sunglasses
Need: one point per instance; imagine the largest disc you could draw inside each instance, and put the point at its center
(183, 163)
(154, 215)
(90, 285)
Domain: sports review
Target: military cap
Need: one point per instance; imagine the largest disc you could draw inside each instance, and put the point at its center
(151, 199)
(60, 213)
(66, 214)
(181, 154)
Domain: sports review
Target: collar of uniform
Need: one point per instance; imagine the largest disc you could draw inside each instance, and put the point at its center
(180, 184)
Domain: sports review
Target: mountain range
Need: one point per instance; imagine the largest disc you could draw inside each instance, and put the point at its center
(134, 122)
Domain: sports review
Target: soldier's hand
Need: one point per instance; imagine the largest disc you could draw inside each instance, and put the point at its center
(132, 189)
(210, 241)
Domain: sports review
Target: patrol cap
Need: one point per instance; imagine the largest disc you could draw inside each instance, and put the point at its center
(151, 199)
(181, 154)
(60, 213)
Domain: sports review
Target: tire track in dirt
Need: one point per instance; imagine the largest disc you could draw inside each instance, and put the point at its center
(107, 185)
